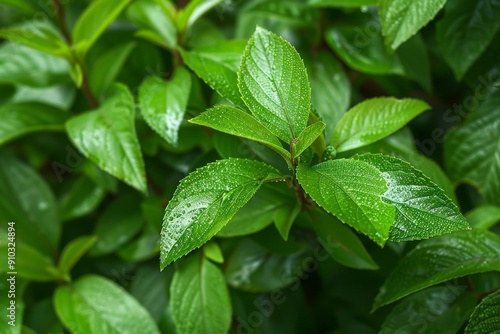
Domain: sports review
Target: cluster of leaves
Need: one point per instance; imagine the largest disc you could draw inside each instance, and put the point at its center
(282, 170)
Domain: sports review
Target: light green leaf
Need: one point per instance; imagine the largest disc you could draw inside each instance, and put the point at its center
(81, 199)
(237, 122)
(273, 83)
(443, 308)
(193, 11)
(465, 31)
(105, 70)
(107, 137)
(73, 251)
(472, 152)
(23, 65)
(93, 21)
(485, 317)
(163, 104)
(97, 305)
(156, 26)
(22, 118)
(199, 298)
(422, 209)
(365, 53)
(217, 65)
(26, 199)
(39, 35)
(351, 190)
(483, 217)
(284, 218)
(307, 137)
(205, 201)
(330, 90)
(212, 251)
(340, 242)
(374, 119)
(402, 19)
(440, 259)
(342, 3)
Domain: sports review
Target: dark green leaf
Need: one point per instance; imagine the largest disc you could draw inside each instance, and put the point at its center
(284, 218)
(73, 251)
(374, 119)
(422, 209)
(107, 137)
(205, 201)
(273, 83)
(163, 104)
(415, 60)
(440, 259)
(483, 217)
(485, 317)
(96, 305)
(351, 190)
(81, 199)
(199, 298)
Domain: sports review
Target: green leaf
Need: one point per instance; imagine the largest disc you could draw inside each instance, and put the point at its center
(374, 119)
(485, 317)
(125, 210)
(237, 122)
(307, 137)
(39, 35)
(330, 90)
(26, 199)
(163, 104)
(415, 60)
(93, 21)
(340, 242)
(273, 83)
(422, 209)
(5, 304)
(205, 201)
(199, 298)
(107, 137)
(402, 19)
(217, 65)
(97, 305)
(107, 68)
(155, 25)
(438, 310)
(284, 218)
(342, 3)
(465, 31)
(23, 118)
(351, 190)
(73, 251)
(212, 251)
(193, 11)
(471, 152)
(23, 65)
(440, 259)
(483, 217)
(365, 53)
(81, 199)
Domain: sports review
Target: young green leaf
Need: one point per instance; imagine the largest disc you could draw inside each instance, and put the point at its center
(340, 242)
(422, 209)
(22, 118)
(199, 298)
(23, 65)
(273, 83)
(452, 312)
(484, 217)
(351, 190)
(374, 119)
(440, 259)
(107, 137)
(163, 104)
(217, 65)
(402, 19)
(485, 318)
(307, 137)
(193, 11)
(93, 21)
(95, 304)
(26, 199)
(73, 251)
(205, 201)
(212, 251)
(284, 218)
(471, 152)
(465, 31)
(237, 122)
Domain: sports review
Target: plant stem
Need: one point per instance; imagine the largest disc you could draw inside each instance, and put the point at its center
(61, 20)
